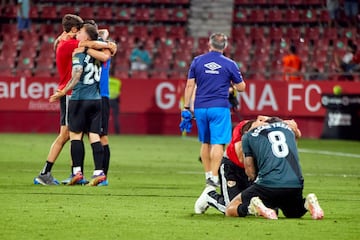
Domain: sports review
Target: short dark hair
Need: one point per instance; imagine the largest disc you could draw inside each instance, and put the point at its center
(273, 120)
(70, 20)
(247, 126)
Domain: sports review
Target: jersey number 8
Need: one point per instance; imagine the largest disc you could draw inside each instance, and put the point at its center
(278, 144)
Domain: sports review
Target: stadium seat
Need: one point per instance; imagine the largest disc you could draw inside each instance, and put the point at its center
(276, 33)
(312, 33)
(86, 12)
(324, 16)
(6, 71)
(185, 44)
(240, 16)
(238, 32)
(142, 1)
(104, 13)
(160, 64)
(158, 32)
(123, 14)
(260, 2)
(275, 16)
(330, 33)
(43, 72)
(23, 72)
(142, 14)
(118, 31)
(309, 16)
(120, 73)
(159, 74)
(258, 76)
(9, 11)
(257, 33)
(256, 16)
(293, 33)
(48, 12)
(47, 29)
(174, 75)
(179, 15)
(34, 12)
(139, 75)
(140, 32)
(67, 10)
(278, 2)
(177, 32)
(161, 15)
(292, 15)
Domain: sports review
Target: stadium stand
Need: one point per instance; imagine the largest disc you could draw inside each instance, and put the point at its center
(261, 32)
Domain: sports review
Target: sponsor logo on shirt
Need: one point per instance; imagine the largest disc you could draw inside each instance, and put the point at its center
(212, 68)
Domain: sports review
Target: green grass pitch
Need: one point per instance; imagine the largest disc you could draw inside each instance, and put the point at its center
(153, 184)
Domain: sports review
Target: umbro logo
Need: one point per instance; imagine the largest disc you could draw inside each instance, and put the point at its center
(212, 66)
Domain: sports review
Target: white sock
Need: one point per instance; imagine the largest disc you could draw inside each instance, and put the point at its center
(215, 179)
(98, 172)
(76, 170)
(208, 175)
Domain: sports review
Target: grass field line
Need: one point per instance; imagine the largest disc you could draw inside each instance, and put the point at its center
(304, 150)
(341, 154)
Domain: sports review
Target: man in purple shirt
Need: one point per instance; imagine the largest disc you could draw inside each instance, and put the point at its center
(212, 74)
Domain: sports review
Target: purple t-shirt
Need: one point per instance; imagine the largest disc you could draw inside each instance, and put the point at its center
(213, 73)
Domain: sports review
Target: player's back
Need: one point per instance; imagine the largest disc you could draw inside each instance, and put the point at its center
(274, 148)
(88, 86)
(213, 73)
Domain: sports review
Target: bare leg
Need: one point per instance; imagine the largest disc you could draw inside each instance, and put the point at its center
(216, 154)
(205, 156)
(58, 144)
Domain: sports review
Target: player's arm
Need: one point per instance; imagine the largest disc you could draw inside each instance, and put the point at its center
(101, 55)
(75, 77)
(240, 87)
(239, 151)
(250, 168)
(99, 45)
(189, 90)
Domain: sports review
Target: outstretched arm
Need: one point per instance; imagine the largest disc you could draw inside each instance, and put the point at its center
(75, 77)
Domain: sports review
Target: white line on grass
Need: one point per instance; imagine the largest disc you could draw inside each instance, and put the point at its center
(341, 154)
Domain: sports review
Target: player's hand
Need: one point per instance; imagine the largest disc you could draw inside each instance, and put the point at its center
(186, 114)
(186, 124)
(112, 47)
(56, 96)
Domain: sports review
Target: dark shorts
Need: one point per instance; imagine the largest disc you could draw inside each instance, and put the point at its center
(64, 110)
(233, 179)
(105, 113)
(289, 200)
(85, 116)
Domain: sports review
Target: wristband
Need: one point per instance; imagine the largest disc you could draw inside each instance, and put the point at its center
(187, 108)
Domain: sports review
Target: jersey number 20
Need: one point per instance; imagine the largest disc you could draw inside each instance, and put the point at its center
(92, 73)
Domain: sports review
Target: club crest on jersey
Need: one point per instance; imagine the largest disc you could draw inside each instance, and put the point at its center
(75, 60)
(212, 68)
